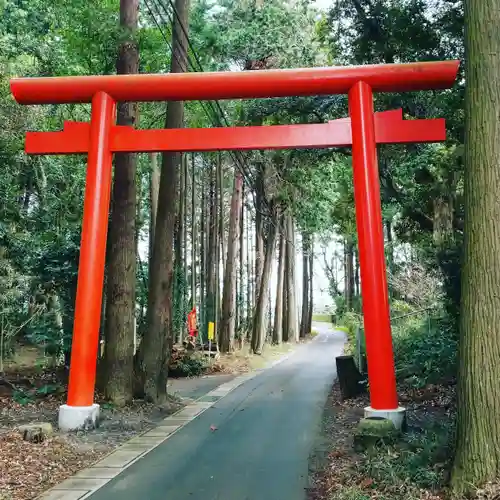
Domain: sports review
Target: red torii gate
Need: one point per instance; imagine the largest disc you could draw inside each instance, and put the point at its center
(364, 129)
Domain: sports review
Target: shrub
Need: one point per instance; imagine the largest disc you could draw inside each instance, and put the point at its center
(190, 365)
(425, 352)
(425, 347)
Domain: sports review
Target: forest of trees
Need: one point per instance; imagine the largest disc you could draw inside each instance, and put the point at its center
(210, 230)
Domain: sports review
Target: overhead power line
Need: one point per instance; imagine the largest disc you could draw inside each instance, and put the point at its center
(216, 112)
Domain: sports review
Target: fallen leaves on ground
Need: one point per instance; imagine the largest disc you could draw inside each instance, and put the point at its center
(27, 469)
(342, 473)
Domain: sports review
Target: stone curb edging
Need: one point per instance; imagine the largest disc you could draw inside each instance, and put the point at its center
(87, 481)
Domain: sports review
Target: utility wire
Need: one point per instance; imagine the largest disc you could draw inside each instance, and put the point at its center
(243, 167)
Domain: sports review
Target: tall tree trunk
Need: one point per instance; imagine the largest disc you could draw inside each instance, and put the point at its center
(178, 319)
(213, 251)
(356, 273)
(286, 337)
(154, 187)
(349, 266)
(259, 230)
(227, 327)
(346, 277)
(269, 330)
(194, 235)
(203, 250)
(217, 298)
(442, 220)
(311, 283)
(390, 246)
(240, 303)
(304, 318)
(120, 310)
(155, 348)
(220, 183)
(278, 310)
(259, 322)
(477, 458)
(249, 297)
(293, 333)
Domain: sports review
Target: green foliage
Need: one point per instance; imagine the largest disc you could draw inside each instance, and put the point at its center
(267, 34)
(418, 461)
(28, 396)
(424, 342)
(189, 365)
(425, 351)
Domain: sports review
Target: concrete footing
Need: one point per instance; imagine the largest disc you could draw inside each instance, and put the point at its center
(73, 418)
(397, 416)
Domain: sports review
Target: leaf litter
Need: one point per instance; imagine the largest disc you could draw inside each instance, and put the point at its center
(27, 469)
(417, 469)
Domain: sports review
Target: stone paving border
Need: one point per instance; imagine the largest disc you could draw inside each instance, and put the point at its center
(87, 481)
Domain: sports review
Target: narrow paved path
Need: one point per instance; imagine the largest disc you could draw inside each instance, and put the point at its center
(265, 431)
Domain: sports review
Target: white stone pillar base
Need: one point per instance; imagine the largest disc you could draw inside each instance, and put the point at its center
(397, 416)
(74, 418)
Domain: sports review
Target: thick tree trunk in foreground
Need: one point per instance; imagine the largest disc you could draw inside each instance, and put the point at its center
(120, 300)
(259, 322)
(477, 458)
(228, 319)
(155, 348)
(278, 310)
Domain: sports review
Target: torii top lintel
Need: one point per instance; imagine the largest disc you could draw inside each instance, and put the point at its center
(236, 85)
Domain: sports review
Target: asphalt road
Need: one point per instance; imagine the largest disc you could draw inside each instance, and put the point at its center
(265, 432)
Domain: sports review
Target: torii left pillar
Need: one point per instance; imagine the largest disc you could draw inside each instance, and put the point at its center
(80, 410)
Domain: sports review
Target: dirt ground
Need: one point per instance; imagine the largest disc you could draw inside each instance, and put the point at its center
(338, 472)
(26, 468)
(416, 468)
(31, 394)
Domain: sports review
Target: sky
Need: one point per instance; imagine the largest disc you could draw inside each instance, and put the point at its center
(323, 4)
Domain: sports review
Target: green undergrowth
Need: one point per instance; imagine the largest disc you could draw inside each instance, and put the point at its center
(416, 468)
(418, 461)
(424, 343)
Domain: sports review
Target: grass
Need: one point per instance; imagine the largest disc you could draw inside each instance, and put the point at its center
(342, 328)
(322, 318)
(243, 360)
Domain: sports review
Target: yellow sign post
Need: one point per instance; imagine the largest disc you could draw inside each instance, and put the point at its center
(211, 336)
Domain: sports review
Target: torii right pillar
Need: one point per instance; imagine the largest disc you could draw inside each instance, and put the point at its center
(377, 322)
